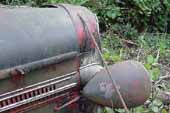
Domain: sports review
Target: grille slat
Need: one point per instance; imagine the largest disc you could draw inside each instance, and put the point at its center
(40, 92)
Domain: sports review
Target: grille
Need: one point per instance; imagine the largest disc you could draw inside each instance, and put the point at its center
(36, 92)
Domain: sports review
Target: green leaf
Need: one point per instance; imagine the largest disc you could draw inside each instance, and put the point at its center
(106, 56)
(157, 102)
(120, 110)
(111, 14)
(150, 59)
(155, 109)
(116, 58)
(164, 111)
(155, 72)
(139, 109)
(148, 66)
(109, 110)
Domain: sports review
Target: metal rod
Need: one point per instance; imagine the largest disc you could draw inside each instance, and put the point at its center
(37, 64)
(105, 65)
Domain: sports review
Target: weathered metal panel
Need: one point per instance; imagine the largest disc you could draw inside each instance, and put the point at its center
(37, 76)
(31, 34)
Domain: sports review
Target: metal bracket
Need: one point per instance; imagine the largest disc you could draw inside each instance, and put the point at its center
(72, 99)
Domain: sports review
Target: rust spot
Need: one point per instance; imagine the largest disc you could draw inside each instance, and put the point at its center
(17, 77)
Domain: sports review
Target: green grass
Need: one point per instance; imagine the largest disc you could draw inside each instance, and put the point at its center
(153, 50)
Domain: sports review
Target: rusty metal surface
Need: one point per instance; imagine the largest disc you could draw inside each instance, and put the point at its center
(40, 75)
(33, 41)
(84, 41)
(32, 34)
(26, 68)
(33, 86)
(133, 82)
(39, 106)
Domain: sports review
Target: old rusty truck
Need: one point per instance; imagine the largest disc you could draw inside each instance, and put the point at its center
(49, 63)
